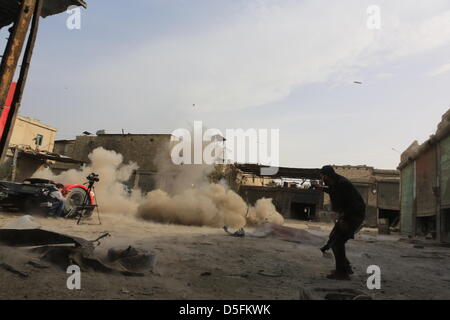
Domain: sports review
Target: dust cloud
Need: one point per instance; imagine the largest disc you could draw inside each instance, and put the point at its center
(111, 193)
(184, 193)
(186, 196)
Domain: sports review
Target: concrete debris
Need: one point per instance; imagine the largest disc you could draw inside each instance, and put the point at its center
(132, 259)
(128, 265)
(130, 262)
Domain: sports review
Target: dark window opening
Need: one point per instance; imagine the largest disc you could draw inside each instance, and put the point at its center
(303, 211)
(39, 140)
(393, 216)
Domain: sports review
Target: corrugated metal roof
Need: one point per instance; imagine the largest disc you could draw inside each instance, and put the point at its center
(9, 9)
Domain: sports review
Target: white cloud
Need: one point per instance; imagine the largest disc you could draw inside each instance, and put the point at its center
(441, 70)
(267, 52)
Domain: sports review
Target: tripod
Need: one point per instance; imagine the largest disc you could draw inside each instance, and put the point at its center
(85, 204)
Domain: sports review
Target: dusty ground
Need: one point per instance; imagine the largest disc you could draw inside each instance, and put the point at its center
(237, 268)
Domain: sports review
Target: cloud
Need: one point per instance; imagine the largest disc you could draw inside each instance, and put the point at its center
(441, 70)
(264, 54)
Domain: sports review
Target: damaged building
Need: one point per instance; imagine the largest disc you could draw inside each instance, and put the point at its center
(425, 185)
(293, 198)
(143, 149)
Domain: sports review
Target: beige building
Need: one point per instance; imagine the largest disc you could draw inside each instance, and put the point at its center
(33, 134)
(31, 147)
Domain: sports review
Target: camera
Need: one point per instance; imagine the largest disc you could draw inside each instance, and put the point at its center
(92, 178)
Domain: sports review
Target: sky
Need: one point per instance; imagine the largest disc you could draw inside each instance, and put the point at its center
(154, 66)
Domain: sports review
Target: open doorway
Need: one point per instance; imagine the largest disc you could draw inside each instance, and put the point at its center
(392, 215)
(303, 211)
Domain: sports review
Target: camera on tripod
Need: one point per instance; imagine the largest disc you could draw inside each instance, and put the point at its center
(92, 178)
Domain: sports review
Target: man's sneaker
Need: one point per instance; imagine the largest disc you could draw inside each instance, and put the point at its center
(338, 276)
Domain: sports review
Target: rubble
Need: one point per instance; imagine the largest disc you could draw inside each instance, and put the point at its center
(54, 248)
(281, 232)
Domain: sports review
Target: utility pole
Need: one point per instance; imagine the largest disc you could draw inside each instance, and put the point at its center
(30, 10)
(14, 48)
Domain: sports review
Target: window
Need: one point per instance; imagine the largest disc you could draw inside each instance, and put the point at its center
(39, 140)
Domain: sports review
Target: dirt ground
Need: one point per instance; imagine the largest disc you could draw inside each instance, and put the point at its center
(205, 263)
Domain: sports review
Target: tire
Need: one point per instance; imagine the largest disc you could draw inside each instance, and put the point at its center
(75, 198)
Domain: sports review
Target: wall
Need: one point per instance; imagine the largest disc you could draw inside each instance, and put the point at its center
(64, 147)
(445, 172)
(142, 149)
(283, 198)
(25, 131)
(366, 181)
(360, 174)
(407, 187)
(426, 183)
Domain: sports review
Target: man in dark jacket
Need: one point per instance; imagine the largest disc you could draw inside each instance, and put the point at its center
(348, 203)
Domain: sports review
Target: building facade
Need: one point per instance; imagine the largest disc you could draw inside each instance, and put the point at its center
(294, 199)
(32, 133)
(379, 189)
(31, 147)
(148, 151)
(425, 185)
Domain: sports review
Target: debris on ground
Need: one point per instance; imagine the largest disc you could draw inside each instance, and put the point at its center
(14, 270)
(270, 275)
(332, 294)
(281, 232)
(37, 264)
(64, 250)
(239, 234)
(131, 259)
(422, 257)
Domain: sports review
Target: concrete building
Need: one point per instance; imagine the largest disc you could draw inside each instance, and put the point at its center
(425, 185)
(379, 189)
(291, 201)
(31, 147)
(64, 147)
(34, 134)
(143, 149)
